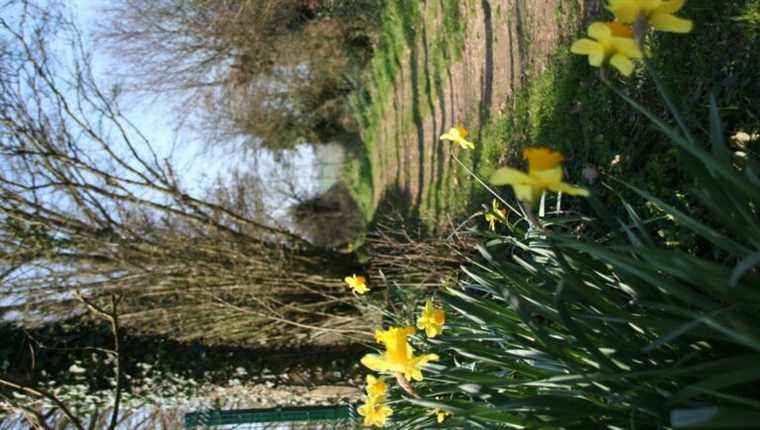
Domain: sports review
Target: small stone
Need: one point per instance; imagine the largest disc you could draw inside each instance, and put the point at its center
(590, 174)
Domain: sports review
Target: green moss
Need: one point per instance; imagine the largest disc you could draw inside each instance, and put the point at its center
(400, 44)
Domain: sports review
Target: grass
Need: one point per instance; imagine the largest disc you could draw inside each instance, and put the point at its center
(358, 173)
(750, 17)
(404, 26)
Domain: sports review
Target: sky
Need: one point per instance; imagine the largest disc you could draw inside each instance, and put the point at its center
(197, 165)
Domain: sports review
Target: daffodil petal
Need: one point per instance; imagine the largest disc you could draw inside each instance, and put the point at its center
(570, 189)
(670, 23)
(465, 144)
(596, 60)
(623, 64)
(509, 176)
(374, 362)
(624, 12)
(431, 331)
(671, 6)
(413, 375)
(407, 331)
(628, 47)
(386, 411)
(587, 47)
(424, 359)
(599, 31)
(526, 193)
(548, 176)
(413, 371)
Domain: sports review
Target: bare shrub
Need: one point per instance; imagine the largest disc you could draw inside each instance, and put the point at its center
(89, 207)
(409, 257)
(273, 69)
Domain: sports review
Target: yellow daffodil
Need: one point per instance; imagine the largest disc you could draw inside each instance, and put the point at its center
(544, 172)
(459, 135)
(440, 415)
(357, 283)
(497, 214)
(612, 44)
(376, 388)
(658, 14)
(431, 320)
(398, 356)
(375, 413)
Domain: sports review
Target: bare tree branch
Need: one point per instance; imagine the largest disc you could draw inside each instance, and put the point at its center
(112, 317)
(38, 392)
(87, 204)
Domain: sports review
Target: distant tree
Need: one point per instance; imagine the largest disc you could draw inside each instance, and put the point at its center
(186, 44)
(276, 69)
(89, 206)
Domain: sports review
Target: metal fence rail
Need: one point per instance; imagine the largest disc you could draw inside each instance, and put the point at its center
(313, 417)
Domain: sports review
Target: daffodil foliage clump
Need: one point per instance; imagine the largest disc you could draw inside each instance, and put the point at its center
(590, 321)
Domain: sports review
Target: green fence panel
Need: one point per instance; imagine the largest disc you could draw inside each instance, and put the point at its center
(311, 414)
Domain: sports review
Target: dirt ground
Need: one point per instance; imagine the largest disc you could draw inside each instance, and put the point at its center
(506, 41)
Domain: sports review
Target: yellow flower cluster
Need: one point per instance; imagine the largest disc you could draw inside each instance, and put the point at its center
(398, 360)
(375, 411)
(618, 43)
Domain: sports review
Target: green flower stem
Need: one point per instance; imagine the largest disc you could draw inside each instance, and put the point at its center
(490, 190)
